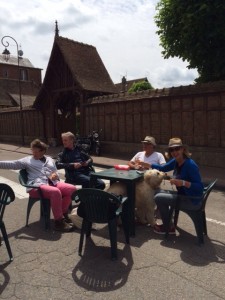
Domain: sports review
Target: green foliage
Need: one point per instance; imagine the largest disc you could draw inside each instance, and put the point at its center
(140, 86)
(195, 32)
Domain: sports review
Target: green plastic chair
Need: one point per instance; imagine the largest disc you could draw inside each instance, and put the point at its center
(97, 206)
(198, 216)
(6, 197)
(45, 206)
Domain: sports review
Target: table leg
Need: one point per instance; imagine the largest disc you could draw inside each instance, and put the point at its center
(131, 207)
(93, 181)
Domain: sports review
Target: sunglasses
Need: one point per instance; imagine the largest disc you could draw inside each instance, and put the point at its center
(174, 149)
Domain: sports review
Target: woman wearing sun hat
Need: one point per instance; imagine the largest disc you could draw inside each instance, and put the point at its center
(186, 178)
(143, 159)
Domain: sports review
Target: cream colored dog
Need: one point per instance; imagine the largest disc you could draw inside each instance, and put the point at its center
(144, 195)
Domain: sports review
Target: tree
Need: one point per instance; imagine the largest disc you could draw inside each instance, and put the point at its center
(140, 86)
(195, 32)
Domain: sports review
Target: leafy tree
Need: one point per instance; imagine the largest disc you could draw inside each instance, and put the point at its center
(194, 30)
(140, 86)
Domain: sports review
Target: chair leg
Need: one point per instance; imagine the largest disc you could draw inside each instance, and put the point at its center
(82, 232)
(112, 224)
(167, 226)
(176, 215)
(31, 202)
(204, 223)
(196, 217)
(126, 230)
(46, 210)
(5, 237)
(88, 229)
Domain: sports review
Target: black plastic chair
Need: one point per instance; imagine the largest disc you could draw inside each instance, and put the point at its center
(198, 216)
(97, 206)
(45, 206)
(6, 197)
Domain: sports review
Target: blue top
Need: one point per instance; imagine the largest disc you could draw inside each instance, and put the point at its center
(188, 171)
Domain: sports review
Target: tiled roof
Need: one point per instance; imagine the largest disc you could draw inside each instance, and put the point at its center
(128, 84)
(13, 60)
(86, 65)
(9, 92)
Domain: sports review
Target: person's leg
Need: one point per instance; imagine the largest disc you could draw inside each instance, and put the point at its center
(82, 179)
(54, 195)
(100, 184)
(164, 200)
(66, 192)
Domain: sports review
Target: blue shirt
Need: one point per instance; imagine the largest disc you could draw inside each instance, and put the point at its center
(189, 171)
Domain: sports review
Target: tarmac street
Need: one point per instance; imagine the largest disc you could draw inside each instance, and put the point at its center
(47, 266)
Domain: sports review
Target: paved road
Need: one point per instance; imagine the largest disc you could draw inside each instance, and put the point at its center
(46, 264)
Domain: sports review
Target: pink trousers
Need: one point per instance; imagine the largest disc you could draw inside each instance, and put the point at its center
(59, 195)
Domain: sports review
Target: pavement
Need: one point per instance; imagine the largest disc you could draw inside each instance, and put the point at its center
(46, 264)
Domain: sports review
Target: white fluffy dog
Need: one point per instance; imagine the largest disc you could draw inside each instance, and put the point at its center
(144, 194)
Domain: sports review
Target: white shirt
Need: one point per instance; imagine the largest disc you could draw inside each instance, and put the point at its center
(154, 158)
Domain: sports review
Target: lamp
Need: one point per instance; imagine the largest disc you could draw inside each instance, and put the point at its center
(6, 55)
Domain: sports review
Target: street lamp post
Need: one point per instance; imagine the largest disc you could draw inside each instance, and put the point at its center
(6, 54)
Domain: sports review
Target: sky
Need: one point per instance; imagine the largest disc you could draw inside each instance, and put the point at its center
(122, 31)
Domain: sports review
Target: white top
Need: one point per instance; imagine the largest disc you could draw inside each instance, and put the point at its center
(37, 170)
(154, 158)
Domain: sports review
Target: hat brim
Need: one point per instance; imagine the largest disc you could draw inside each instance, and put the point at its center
(175, 145)
(147, 142)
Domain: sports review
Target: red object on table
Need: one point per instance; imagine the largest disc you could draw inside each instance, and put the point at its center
(122, 167)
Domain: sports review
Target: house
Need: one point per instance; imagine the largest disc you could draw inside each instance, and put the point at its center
(18, 78)
(75, 73)
(125, 84)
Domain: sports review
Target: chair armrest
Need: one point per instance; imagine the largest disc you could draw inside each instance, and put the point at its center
(31, 186)
(124, 199)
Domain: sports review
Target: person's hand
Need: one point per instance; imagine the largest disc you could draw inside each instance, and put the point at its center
(77, 165)
(53, 176)
(176, 182)
(84, 164)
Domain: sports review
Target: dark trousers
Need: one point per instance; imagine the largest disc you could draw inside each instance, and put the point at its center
(167, 199)
(84, 180)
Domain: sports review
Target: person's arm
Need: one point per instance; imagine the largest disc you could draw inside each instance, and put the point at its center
(13, 164)
(136, 163)
(169, 166)
(162, 160)
(191, 180)
(131, 164)
(62, 165)
(87, 159)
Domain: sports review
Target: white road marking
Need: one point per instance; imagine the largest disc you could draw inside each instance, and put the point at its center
(19, 190)
(215, 221)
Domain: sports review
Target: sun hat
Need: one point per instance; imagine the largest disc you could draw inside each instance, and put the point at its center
(149, 140)
(175, 142)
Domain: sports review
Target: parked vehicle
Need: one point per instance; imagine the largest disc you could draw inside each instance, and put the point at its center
(91, 143)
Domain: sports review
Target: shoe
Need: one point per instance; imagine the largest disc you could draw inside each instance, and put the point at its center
(61, 225)
(67, 219)
(161, 230)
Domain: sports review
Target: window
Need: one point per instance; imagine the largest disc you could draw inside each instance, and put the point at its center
(5, 73)
(23, 74)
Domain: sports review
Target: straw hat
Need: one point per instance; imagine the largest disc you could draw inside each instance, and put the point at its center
(175, 142)
(149, 140)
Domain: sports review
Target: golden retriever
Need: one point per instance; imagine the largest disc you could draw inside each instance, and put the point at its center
(144, 195)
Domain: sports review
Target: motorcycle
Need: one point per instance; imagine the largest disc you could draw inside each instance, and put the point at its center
(90, 144)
